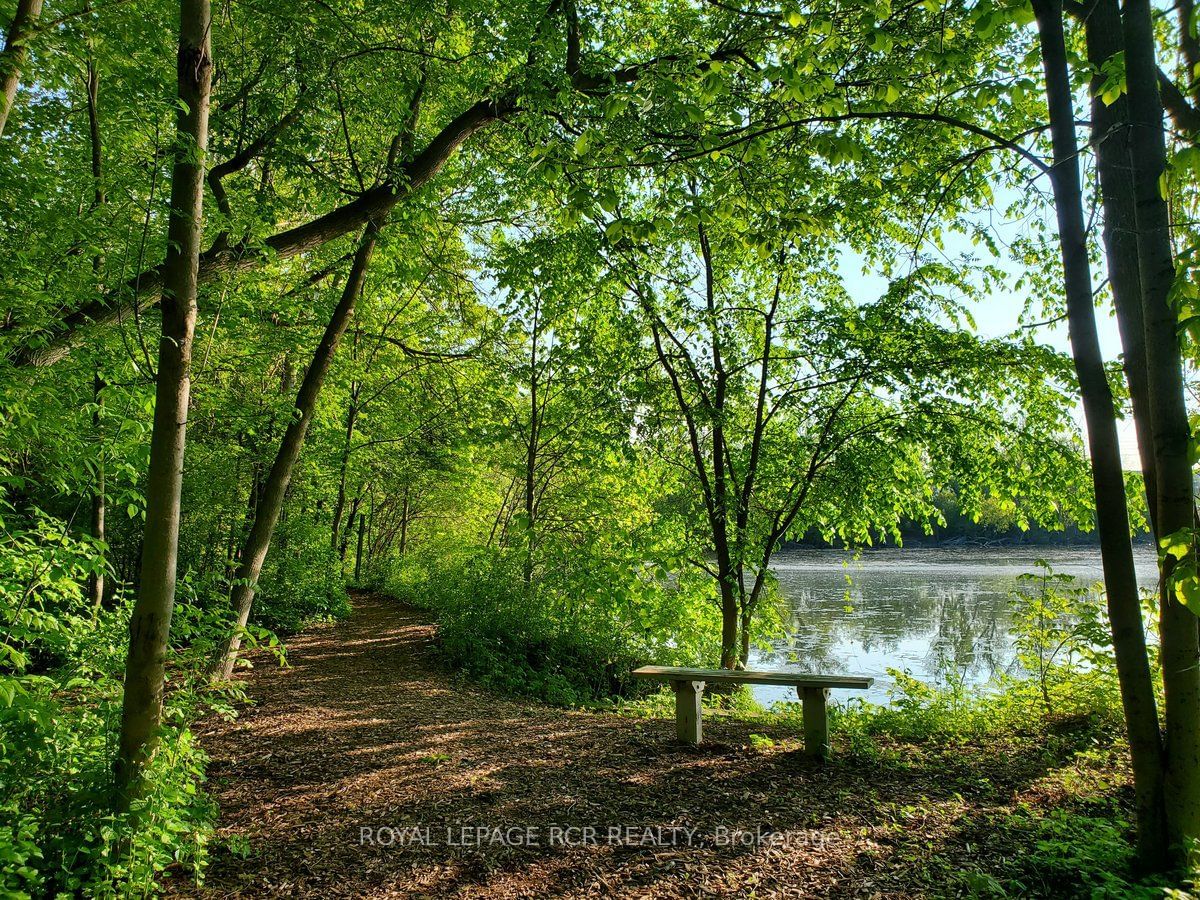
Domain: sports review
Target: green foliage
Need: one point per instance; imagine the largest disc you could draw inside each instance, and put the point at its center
(43, 567)
(302, 582)
(60, 694)
(1081, 854)
(500, 434)
(564, 641)
(1059, 628)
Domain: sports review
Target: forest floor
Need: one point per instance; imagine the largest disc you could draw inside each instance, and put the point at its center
(365, 736)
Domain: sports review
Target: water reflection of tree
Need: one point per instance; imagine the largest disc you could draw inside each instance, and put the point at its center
(966, 626)
(970, 639)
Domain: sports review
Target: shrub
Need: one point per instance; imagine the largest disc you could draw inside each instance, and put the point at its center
(569, 638)
(60, 697)
(301, 582)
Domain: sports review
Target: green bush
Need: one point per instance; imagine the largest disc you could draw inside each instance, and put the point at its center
(60, 698)
(58, 735)
(301, 582)
(569, 638)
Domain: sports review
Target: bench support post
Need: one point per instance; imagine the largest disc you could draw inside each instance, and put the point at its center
(816, 721)
(687, 710)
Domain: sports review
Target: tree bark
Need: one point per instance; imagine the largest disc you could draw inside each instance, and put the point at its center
(1109, 136)
(16, 51)
(358, 553)
(1179, 629)
(339, 506)
(96, 579)
(266, 514)
(149, 626)
(1112, 516)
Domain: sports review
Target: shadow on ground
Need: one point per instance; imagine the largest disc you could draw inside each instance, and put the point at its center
(364, 738)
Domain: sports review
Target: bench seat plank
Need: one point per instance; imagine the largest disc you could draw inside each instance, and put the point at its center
(748, 676)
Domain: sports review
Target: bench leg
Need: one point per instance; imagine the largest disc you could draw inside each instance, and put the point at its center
(687, 710)
(816, 721)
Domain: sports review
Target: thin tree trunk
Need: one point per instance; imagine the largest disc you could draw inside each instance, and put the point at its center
(254, 551)
(531, 454)
(1179, 628)
(1112, 516)
(344, 546)
(16, 50)
(403, 522)
(730, 582)
(96, 579)
(358, 555)
(747, 621)
(149, 626)
(729, 620)
(371, 531)
(339, 506)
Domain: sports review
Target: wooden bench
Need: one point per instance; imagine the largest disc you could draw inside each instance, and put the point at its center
(688, 685)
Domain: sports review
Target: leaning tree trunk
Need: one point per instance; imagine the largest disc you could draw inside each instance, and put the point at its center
(1179, 628)
(16, 50)
(1112, 516)
(141, 711)
(266, 514)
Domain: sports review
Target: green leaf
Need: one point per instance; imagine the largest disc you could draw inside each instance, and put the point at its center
(1177, 544)
(1187, 591)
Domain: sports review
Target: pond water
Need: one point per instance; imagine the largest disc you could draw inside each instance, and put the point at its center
(915, 609)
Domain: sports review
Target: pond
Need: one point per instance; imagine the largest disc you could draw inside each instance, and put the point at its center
(924, 611)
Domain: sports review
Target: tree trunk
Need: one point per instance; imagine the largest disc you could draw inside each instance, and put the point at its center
(729, 624)
(96, 579)
(358, 553)
(403, 522)
(726, 576)
(1179, 629)
(15, 52)
(149, 626)
(347, 532)
(266, 515)
(531, 455)
(1112, 516)
(747, 621)
(339, 506)
(1109, 135)
(371, 530)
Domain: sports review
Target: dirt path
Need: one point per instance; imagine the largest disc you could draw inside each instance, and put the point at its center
(365, 733)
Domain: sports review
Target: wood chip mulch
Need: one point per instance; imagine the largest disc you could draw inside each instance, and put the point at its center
(365, 769)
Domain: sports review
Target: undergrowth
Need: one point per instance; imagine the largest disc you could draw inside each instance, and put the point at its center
(61, 667)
